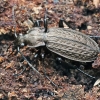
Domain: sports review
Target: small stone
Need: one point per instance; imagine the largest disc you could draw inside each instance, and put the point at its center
(28, 23)
(1, 96)
(3, 31)
(89, 27)
(40, 98)
(68, 19)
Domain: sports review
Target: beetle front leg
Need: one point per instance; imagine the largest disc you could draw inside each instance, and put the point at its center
(37, 23)
(33, 67)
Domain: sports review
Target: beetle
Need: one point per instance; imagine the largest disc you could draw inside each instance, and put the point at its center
(67, 43)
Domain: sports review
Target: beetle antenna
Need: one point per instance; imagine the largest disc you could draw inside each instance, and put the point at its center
(33, 67)
(45, 18)
(18, 49)
(13, 15)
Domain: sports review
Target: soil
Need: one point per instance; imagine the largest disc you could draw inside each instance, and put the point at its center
(58, 80)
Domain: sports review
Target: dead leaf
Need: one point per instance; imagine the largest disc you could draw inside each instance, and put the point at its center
(12, 94)
(40, 98)
(25, 62)
(96, 3)
(1, 59)
(1, 96)
(3, 31)
(24, 90)
(10, 65)
(37, 2)
(28, 23)
(37, 9)
(96, 63)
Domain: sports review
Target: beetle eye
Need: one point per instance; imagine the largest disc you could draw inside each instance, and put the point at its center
(20, 34)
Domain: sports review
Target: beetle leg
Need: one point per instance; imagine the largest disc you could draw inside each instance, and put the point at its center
(17, 74)
(46, 19)
(61, 23)
(45, 25)
(75, 67)
(24, 68)
(18, 49)
(95, 36)
(37, 23)
(86, 73)
(33, 67)
(62, 26)
(43, 55)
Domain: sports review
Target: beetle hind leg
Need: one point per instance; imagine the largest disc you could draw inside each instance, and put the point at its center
(70, 66)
